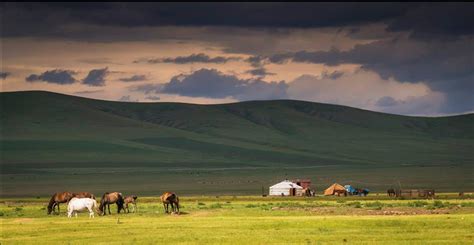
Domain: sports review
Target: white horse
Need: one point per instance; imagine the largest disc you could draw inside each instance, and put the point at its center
(81, 204)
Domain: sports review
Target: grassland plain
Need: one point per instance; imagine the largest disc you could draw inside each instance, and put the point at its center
(251, 220)
(51, 142)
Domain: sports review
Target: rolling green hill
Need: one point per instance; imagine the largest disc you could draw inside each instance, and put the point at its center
(52, 142)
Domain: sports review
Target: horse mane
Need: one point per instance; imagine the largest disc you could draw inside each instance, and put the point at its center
(51, 203)
(102, 201)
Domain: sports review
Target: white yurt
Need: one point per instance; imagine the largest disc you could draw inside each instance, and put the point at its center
(286, 188)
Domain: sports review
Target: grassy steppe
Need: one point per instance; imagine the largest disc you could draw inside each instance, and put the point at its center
(251, 220)
(51, 142)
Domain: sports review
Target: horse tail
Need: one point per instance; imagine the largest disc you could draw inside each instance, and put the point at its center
(51, 203)
(177, 202)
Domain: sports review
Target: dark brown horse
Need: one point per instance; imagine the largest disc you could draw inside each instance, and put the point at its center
(131, 200)
(111, 198)
(83, 195)
(170, 198)
(56, 199)
(391, 192)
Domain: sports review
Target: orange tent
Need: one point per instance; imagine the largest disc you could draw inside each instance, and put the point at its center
(333, 189)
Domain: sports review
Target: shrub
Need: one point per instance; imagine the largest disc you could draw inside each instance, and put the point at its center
(201, 204)
(417, 204)
(251, 206)
(354, 204)
(438, 204)
(1, 214)
(18, 209)
(215, 205)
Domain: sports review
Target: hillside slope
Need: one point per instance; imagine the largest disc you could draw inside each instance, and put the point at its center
(43, 131)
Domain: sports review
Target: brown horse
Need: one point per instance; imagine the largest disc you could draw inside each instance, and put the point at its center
(83, 195)
(111, 198)
(56, 199)
(170, 198)
(131, 200)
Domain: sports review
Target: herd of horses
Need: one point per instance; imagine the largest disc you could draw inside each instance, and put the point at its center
(83, 201)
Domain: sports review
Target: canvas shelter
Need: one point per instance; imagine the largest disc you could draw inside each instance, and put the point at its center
(286, 188)
(331, 190)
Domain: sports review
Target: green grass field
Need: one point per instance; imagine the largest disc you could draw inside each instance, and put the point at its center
(251, 220)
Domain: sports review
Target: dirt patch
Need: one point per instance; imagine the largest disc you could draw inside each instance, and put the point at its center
(23, 220)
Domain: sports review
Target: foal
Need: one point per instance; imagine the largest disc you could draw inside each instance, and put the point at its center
(131, 200)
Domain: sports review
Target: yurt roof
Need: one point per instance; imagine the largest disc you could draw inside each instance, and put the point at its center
(286, 184)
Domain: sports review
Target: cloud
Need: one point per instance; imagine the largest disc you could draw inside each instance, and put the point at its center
(146, 88)
(127, 98)
(445, 67)
(89, 91)
(193, 58)
(366, 89)
(260, 72)
(4, 75)
(70, 20)
(62, 77)
(96, 77)
(211, 83)
(386, 101)
(134, 78)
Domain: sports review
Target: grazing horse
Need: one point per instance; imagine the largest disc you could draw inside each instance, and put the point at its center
(80, 204)
(391, 192)
(131, 200)
(56, 199)
(83, 195)
(170, 198)
(339, 192)
(111, 198)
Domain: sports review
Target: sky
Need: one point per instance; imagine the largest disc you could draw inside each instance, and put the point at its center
(400, 58)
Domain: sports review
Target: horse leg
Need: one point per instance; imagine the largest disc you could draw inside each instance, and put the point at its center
(108, 205)
(164, 207)
(59, 212)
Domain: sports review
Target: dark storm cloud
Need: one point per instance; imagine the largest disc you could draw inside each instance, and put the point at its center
(66, 19)
(134, 78)
(193, 58)
(62, 77)
(300, 15)
(436, 20)
(4, 75)
(96, 77)
(211, 83)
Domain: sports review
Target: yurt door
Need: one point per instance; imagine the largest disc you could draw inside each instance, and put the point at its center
(293, 192)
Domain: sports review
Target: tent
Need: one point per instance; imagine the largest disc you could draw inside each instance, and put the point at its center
(334, 189)
(286, 188)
